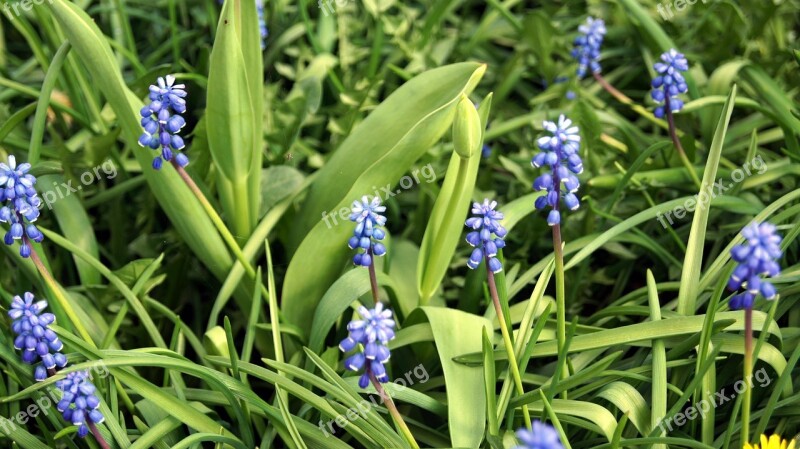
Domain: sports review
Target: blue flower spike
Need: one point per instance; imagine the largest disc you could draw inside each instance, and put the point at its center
(586, 48)
(20, 204)
(756, 260)
(162, 121)
(487, 235)
(669, 82)
(368, 233)
(34, 337)
(369, 337)
(541, 436)
(79, 405)
(560, 154)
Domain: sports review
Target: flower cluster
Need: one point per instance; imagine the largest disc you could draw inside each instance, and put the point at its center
(484, 224)
(586, 48)
(756, 257)
(34, 336)
(162, 121)
(372, 332)
(16, 189)
(541, 436)
(560, 153)
(669, 82)
(366, 215)
(79, 405)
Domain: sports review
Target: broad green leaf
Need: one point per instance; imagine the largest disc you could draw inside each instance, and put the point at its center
(466, 406)
(378, 151)
(630, 402)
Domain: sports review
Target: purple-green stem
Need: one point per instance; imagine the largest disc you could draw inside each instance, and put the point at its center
(220, 225)
(54, 287)
(558, 253)
(398, 418)
(97, 436)
(748, 373)
(673, 133)
(373, 279)
(508, 343)
(561, 312)
(612, 90)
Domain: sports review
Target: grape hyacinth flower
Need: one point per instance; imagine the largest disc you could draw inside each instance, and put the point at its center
(79, 404)
(560, 153)
(756, 258)
(372, 332)
(587, 46)
(368, 232)
(16, 189)
(541, 436)
(484, 224)
(162, 121)
(669, 82)
(34, 336)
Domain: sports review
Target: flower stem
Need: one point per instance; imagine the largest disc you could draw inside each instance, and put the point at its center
(220, 225)
(561, 312)
(612, 90)
(56, 289)
(373, 279)
(677, 142)
(398, 419)
(748, 372)
(97, 436)
(512, 358)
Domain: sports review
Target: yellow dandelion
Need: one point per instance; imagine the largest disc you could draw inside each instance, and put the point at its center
(774, 442)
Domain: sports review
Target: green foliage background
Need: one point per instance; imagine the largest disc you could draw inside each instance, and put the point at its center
(342, 104)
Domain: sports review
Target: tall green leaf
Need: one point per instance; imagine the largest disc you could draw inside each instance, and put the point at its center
(235, 137)
(693, 262)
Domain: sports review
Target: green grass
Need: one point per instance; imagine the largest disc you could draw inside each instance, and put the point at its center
(218, 319)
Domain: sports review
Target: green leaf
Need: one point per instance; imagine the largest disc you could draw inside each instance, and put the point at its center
(693, 262)
(378, 151)
(231, 110)
(466, 407)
